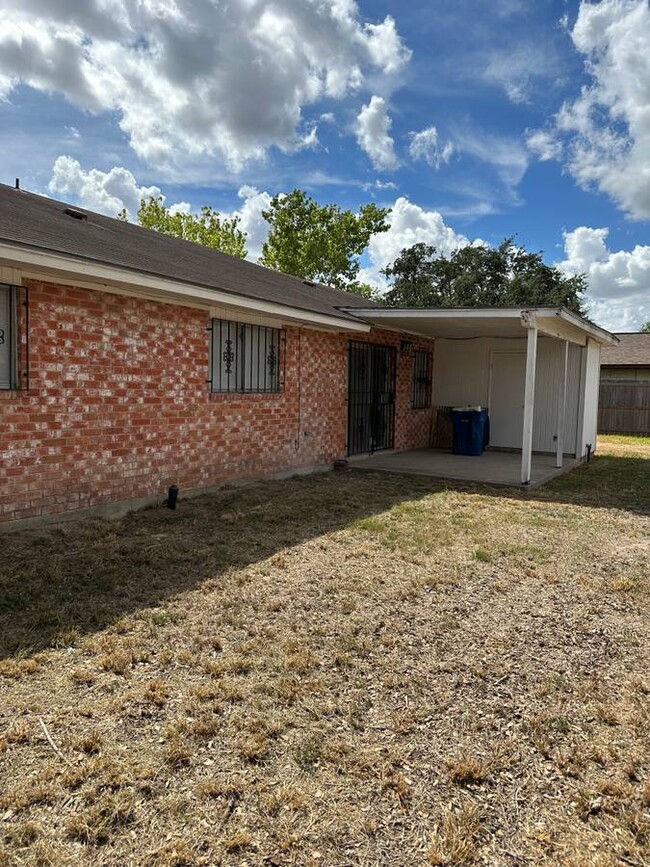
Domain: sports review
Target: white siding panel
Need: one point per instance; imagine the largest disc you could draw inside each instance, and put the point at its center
(550, 364)
(461, 376)
(461, 370)
(572, 398)
(592, 381)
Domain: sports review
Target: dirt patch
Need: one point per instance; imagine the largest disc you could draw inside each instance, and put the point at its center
(336, 670)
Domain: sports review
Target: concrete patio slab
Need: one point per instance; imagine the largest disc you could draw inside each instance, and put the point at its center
(492, 467)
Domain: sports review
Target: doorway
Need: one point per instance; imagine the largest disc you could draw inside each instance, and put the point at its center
(371, 397)
(506, 402)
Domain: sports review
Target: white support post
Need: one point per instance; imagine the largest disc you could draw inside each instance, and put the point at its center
(530, 323)
(561, 408)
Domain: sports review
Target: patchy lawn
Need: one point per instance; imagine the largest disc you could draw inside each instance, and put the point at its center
(343, 669)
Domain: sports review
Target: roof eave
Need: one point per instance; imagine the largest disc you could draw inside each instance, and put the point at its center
(477, 313)
(67, 267)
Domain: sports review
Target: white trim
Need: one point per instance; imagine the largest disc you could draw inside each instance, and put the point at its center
(112, 278)
(430, 314)
(599, 334)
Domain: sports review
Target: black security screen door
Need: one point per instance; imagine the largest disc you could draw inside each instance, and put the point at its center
(371, 398)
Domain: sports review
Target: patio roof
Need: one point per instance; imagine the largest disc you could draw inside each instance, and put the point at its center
(471, 322)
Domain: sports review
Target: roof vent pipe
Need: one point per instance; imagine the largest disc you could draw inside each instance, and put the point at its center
(17, 183)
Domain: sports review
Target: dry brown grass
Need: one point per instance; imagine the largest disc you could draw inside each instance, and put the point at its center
(343, 669)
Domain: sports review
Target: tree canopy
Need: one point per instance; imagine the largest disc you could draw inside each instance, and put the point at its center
(319, 242)
(477, 276)
(645, 328)
(207, 227)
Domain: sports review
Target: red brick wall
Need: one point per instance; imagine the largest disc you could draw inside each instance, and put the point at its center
(118, 407)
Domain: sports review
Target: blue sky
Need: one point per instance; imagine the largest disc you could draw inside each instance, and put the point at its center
(471, 120)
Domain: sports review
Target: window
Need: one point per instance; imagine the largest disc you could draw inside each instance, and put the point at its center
(8, 342)
(421, 391)
(245, 358)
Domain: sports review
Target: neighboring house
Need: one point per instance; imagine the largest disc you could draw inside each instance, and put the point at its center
(624, 405)
(130, 361)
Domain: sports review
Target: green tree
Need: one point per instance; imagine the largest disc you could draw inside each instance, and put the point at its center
(645, 328)
(207, 227)
(319, 242)
(477, 276)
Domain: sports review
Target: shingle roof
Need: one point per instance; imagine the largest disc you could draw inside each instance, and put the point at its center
(632, 351)
(37, 222)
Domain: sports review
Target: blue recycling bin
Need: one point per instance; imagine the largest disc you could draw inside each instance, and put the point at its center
(471, 431)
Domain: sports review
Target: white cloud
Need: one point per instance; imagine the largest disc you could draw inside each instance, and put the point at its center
(105, 192)
(109, 192)
(619, 282)
(378, 185)
(518, 70)
(607, 127)
(373, 126)
(545, 145)
(409, 224)
(191, 78)
(507, 156)
(425, 146)
(252, 221)
(180, 208)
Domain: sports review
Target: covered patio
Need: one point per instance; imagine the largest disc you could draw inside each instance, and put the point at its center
(535, 370)
(491, 468)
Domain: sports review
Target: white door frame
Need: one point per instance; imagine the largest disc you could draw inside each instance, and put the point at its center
(493, 353)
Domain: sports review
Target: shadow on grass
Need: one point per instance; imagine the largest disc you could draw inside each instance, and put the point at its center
(61, 582)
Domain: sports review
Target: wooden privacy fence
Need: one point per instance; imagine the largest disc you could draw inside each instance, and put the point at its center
(624, 407)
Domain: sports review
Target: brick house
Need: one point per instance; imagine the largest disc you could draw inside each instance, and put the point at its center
(130, 361)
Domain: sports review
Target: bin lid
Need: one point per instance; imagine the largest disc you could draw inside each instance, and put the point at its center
(467, 408)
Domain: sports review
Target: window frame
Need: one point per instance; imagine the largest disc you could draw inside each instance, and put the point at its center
(421, 379)
(10, 338)
(251, 363)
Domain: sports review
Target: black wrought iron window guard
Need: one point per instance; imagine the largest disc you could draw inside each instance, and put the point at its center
(421, 387)
(14, 336)
(245, 358)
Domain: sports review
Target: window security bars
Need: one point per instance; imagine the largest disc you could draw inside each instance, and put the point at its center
(14, 335)
(421, 387)
(245, 358)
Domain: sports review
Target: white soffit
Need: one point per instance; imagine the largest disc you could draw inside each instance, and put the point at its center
(468, 323)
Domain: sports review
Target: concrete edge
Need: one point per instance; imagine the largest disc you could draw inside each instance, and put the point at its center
(531, 486)
(117, 510)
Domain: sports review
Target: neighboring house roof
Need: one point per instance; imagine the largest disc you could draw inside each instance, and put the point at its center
(40, 223)
(633, 350)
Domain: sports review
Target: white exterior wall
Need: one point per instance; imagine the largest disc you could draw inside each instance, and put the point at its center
(461, 376)
(590, 401)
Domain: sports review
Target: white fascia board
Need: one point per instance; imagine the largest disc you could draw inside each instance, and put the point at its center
(598, 334)
(112, 278)
(426, 313)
